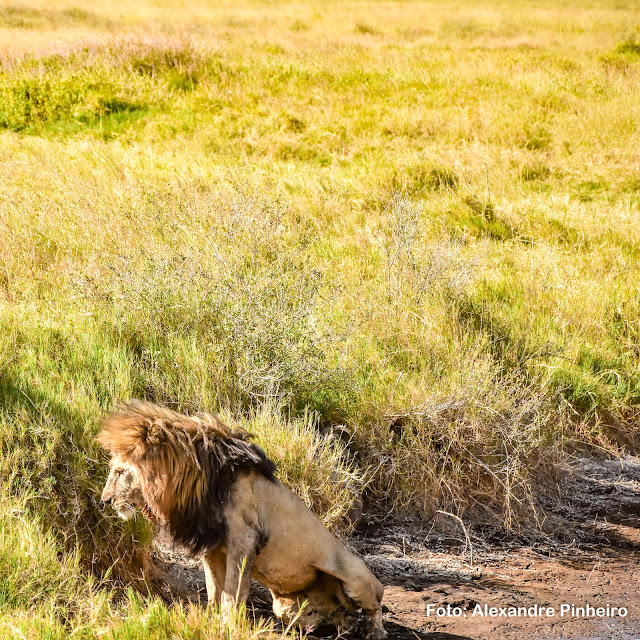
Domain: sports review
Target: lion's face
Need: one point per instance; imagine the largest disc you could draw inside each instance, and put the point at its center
(122, 489)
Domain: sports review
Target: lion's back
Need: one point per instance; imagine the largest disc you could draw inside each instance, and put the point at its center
(295, 544)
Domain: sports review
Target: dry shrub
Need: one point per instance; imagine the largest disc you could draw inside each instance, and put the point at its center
(470, 451)
(245, 293)
(416, 266)
(458, 428)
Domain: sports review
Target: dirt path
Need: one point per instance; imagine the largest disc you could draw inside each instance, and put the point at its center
(433, 591)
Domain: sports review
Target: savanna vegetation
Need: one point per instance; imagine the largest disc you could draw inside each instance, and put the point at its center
(419, 220)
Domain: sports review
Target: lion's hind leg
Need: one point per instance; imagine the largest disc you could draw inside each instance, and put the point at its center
(295, 609)
(360, 589)
(315, 606)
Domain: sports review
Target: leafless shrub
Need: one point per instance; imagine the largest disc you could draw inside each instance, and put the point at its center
(414, 264)
(246, 294)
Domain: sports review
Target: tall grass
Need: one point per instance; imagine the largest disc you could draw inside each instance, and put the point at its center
(302, 216)
(47, 594)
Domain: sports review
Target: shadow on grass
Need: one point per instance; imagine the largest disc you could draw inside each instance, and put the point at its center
(48, 453)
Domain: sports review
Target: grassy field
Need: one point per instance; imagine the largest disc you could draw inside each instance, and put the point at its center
(419, 220)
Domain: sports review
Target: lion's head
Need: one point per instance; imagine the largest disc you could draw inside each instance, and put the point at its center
(178, 470)
(123, 489)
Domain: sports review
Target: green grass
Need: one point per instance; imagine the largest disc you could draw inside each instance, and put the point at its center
(301, 215)
(45, 593)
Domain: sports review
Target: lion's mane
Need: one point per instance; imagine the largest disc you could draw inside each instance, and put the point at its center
(186, 465)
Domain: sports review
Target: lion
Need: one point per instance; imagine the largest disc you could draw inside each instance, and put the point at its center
(217, 495)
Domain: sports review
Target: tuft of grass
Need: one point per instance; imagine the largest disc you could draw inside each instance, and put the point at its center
(536, 137)
(630, 47)
(363, 27)
(24, 17)
(464, 28)
(535, 171)
(102, 91)
(419, 180)
(631, 184)
(33, 102)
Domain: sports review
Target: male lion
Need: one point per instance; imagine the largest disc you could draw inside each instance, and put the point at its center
(216, 493)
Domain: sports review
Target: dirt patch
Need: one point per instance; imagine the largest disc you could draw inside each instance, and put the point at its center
(585, 587)
(429, 592)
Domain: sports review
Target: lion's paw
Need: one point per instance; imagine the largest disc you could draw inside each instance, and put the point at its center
(373, 627)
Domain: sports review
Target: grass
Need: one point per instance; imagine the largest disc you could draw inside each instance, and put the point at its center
(47, 594)
(302, 215)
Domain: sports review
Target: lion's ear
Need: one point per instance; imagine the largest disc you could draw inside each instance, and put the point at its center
(154, 438)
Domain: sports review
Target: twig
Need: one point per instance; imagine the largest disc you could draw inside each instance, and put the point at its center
(466, 533)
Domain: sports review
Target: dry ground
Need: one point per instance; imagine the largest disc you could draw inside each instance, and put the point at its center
(599, 567)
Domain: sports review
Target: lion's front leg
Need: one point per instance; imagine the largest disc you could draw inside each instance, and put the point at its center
(215, 569)
(240, 559)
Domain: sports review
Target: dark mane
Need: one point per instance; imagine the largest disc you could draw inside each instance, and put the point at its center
(187, 466)
(200, 527)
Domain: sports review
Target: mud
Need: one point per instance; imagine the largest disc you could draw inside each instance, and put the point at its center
(441, 586)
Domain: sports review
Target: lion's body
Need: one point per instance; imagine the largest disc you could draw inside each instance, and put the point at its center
(261, 528)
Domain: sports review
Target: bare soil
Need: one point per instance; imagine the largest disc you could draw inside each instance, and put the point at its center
(593, 560)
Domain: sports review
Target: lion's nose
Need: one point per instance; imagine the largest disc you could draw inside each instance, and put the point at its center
(106, 499)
